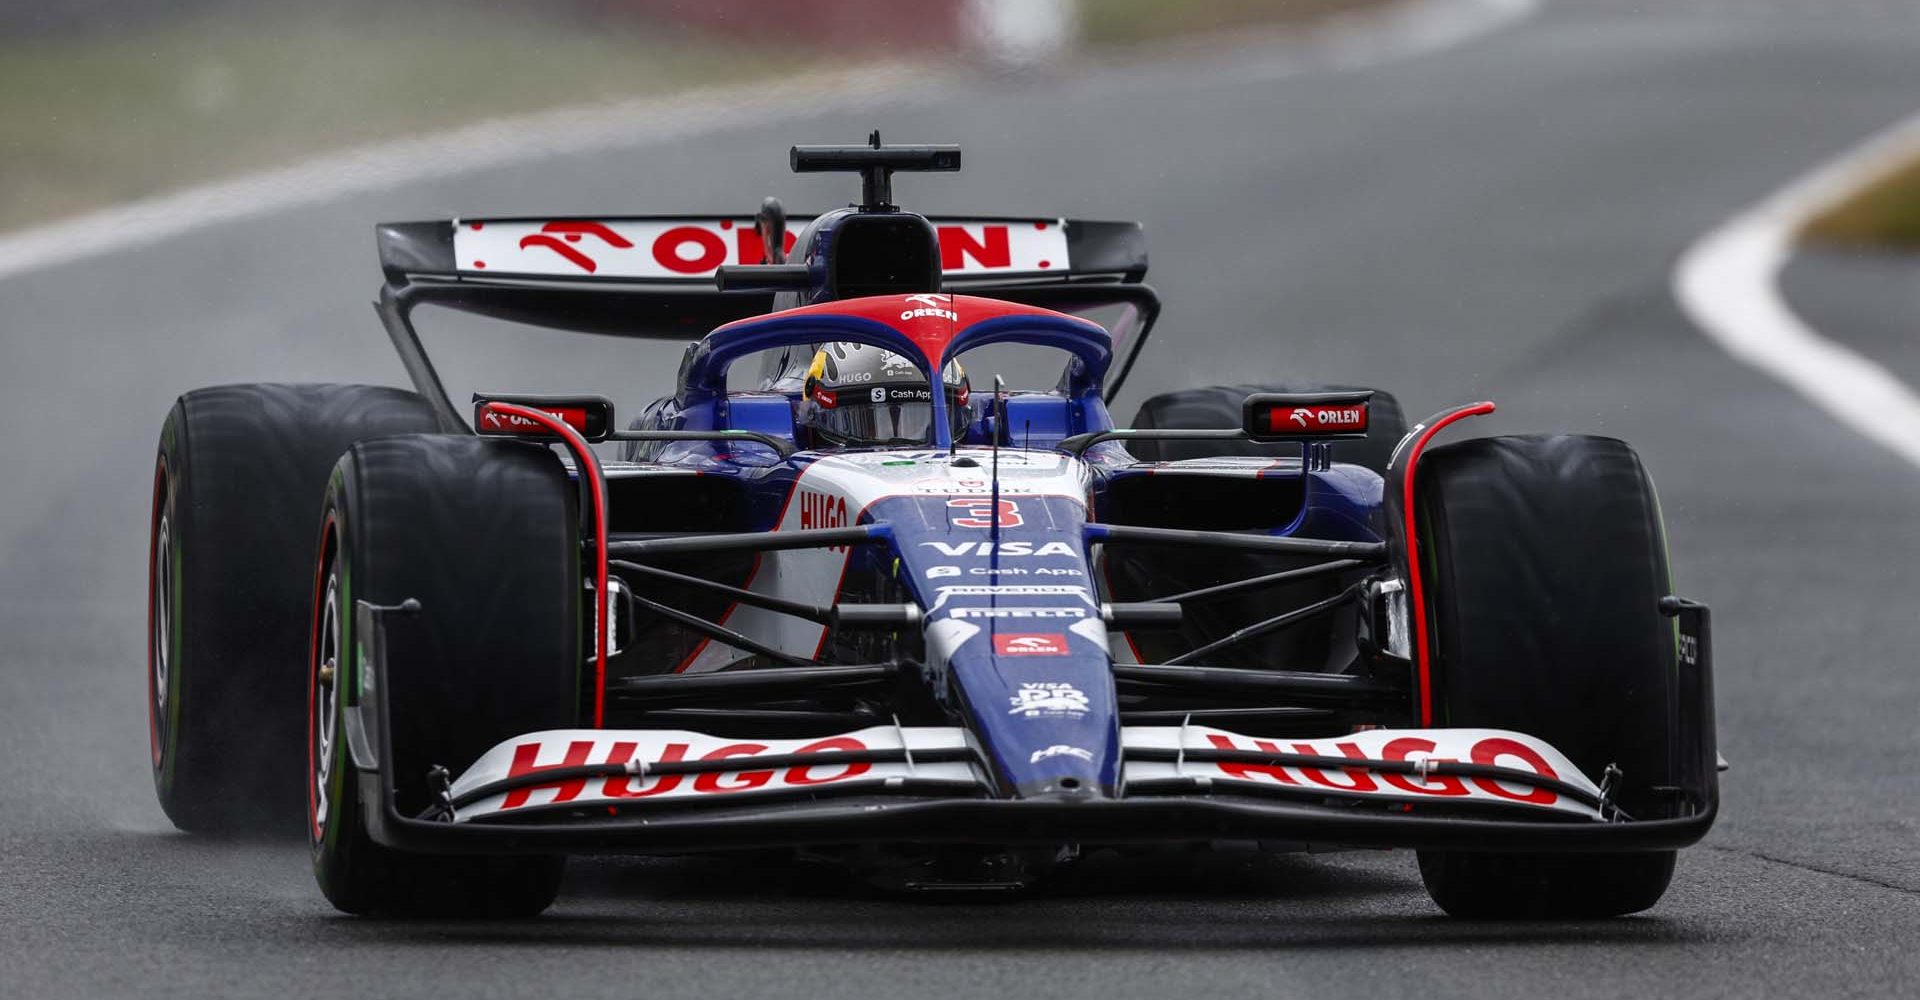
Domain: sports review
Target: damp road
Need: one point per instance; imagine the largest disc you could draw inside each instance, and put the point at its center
(1494, 220)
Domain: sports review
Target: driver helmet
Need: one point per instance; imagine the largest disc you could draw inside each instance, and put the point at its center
(860, 396)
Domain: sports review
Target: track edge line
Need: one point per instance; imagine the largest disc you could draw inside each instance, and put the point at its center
(577, 129)
(1727, 282)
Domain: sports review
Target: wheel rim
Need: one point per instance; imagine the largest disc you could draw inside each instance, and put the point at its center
(326, 701)
(162, 632)
(162, 600)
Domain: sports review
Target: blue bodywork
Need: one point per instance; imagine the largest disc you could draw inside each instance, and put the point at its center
(1010, 595)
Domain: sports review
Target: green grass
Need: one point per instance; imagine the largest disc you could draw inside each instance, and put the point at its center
(88, 121)
(1126, 23)
(1883, 215)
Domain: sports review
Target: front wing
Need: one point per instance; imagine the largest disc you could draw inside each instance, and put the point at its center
(674, 791)
(568, 770)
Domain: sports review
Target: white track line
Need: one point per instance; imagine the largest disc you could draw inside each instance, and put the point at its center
(1728, 283)
(1420, 27)
(485, 145)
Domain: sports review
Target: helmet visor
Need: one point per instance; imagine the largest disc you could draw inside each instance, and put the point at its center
(883, 415)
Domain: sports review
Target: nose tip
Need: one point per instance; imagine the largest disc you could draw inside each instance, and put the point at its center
(1069, 788)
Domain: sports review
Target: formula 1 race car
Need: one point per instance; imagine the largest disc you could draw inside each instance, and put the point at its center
(943, 632)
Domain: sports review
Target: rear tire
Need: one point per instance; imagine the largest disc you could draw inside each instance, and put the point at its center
(1543, 561)
(1141, 574)
(1216, 406)
(241, 471)
(484, 534)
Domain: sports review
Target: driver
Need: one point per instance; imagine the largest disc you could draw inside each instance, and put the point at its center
(859, 396)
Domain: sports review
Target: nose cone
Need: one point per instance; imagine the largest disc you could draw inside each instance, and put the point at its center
(1014, 634)
(1037, 688)
(1039, 693)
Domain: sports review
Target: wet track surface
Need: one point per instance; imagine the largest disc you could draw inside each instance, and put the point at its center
(1864, 300)
(1494, 220)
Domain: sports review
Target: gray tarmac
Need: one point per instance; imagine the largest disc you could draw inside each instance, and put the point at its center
(1868, 300)
(1494, 220)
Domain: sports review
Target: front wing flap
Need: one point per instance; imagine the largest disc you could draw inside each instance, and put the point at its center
(573, 769)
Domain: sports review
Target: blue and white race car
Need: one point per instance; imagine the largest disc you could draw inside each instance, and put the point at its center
(882, 609)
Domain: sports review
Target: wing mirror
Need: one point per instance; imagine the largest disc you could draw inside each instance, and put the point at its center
(592, 416)
(1293, 416)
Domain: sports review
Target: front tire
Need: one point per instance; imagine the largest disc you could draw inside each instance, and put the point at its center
(484, 534)
(1543, 561)
(1545, 886)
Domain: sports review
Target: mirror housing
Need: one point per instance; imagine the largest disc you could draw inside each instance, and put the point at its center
(1301, 416)
(592, 416)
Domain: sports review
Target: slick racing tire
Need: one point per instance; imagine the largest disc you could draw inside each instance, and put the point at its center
(1220, 406)
(484, 534)
(240, 473)
(1543, 561)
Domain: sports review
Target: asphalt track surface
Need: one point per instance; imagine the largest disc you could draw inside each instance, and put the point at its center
(1865, 300)
(1495, 220)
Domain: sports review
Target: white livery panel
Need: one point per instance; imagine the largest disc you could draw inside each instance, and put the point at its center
(545, 751)
(639, 749)
(665, 249)
(1496, 747)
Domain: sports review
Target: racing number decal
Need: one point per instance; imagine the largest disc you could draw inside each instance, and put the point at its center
(981, 510)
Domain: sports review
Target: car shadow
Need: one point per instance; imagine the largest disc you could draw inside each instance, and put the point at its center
(1160, 901)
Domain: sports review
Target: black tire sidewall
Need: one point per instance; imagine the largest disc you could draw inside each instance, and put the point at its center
(240, 471)
(396, 507)
(1507, 886)
(1543, 561)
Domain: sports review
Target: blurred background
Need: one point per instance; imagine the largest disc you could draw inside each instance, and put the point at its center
(114, 102)
(1447, 199)
(106, 100)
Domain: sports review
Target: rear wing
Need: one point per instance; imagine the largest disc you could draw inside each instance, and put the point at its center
(686, 250)
(652, 277)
